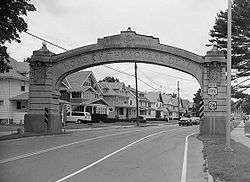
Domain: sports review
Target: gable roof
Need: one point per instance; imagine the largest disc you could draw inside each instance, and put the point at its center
(76, 80)
(97, 101)
(153, 96)
(166, 98)
(113, 88)
(18, 68)
(185, 103)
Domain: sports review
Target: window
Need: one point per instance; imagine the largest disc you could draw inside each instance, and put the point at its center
(120, 111)
(1, 102)
(131, 102)
(18, 105)
(23, 88)
(76, 94)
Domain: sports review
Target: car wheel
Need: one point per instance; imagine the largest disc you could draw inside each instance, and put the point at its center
(78, 121)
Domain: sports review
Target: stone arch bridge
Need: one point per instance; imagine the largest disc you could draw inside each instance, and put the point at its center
(47, 70)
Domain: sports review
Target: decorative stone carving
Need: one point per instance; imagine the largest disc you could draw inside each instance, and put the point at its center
(214, 73)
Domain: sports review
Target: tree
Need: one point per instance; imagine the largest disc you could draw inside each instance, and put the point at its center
(11, 25)
(240, 37)
(197, 98)
(110, 79)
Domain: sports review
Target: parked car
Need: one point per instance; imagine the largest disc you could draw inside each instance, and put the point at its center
(195, 120)
(79, 117)
(184, 121)
(140, 118)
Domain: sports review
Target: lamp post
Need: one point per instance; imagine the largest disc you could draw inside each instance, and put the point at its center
(229, 40)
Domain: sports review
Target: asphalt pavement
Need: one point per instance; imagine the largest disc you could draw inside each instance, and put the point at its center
(143, 154)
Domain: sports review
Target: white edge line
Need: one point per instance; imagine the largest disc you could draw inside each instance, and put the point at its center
(57, 147)
(184, 165)
(62, 146)
(107, 156)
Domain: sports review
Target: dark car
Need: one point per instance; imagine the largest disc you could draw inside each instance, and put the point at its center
(195, 120)
(141, 119)
(185, 121)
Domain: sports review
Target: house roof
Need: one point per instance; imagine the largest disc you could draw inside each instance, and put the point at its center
(18, 68)
(96, 101)
(153, 96)
(23, 96)
(133, 90)
(166, 98)
(76, 80)
(185, 103)
(112, 85)
(113, 88)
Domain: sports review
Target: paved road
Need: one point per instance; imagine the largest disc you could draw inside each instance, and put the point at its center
(129, 154)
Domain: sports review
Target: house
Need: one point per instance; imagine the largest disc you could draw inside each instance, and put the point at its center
(156, 105)
(143, 103)
(83, 93)
(170, 103)
(116, 94)
(14, 86)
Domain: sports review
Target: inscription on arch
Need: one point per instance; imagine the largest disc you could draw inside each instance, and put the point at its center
(123, 55)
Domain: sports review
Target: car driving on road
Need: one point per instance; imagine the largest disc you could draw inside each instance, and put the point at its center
(195, 120)
(184, 121)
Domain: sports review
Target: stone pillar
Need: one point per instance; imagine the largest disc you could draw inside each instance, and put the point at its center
(42, 95)
(214, 94)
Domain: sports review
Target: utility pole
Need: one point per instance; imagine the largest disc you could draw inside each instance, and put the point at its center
(136, 96)
(178, 97)
(229, 40)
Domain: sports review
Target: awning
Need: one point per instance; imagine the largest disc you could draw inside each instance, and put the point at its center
(23, 96)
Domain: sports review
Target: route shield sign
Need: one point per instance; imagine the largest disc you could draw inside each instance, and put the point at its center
(212, 91)
(212, 105)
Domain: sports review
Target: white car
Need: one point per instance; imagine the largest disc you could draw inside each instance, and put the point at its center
(78, 117)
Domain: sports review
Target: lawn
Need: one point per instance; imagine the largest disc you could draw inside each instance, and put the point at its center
(225, 165)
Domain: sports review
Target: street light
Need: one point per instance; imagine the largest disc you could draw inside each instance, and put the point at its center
(229, 34)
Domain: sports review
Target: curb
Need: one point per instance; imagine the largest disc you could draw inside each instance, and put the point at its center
(208, 177)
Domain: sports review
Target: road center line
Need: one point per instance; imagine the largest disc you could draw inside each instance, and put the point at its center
(63, 146)
(184, 166)
(111, 154)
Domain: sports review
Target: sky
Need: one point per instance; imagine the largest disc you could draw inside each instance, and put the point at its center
(181, 23)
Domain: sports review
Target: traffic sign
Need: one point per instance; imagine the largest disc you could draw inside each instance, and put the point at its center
(212, 91)
(212, 105)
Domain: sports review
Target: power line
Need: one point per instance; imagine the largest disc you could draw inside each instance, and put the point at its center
(45, 41)
(158, 85)
(172, 76)
(130, 75)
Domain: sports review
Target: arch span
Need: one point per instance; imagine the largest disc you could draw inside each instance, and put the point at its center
(48, 70)
(88, 59)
